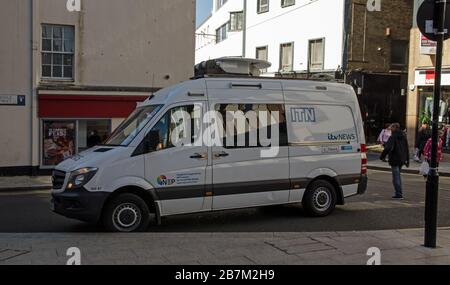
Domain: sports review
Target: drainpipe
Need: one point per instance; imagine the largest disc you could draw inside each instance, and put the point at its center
(31, 79)
(244, 29)
(345, 38)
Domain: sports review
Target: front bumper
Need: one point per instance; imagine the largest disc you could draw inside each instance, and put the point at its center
(79, 204)
(362, 186)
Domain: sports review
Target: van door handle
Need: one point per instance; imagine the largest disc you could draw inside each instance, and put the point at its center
(198, 156)
(221, 154)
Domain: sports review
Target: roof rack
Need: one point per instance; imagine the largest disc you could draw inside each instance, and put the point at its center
(238, 67)
(231, 66)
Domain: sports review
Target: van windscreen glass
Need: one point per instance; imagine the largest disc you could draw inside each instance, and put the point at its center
(132, 126)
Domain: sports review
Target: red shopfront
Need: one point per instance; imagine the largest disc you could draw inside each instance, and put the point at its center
(70, 124)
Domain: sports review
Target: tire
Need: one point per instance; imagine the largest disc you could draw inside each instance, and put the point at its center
(320, 199)
(126, 213)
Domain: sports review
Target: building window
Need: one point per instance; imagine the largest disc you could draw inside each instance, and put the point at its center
(286, 57)
(287, 3)
(399, 53)
(220, 3)
(316, 54)
(263, 6)
(58, 48)
(65, 138)
(92, 133)
(236, 21)
(262, 53)
(221, 33)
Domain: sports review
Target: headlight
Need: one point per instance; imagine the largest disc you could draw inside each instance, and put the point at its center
(80, 177)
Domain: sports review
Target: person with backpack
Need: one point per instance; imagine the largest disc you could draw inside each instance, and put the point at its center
(397, 149)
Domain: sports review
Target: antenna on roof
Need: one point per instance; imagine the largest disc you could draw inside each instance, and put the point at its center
(153, 85)
(231, 66)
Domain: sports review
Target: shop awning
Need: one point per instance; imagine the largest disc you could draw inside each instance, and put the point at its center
(87, 106)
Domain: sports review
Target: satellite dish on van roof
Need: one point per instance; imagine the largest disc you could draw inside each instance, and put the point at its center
(237, 66)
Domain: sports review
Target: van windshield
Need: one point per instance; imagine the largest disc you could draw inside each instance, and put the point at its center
(130, 128)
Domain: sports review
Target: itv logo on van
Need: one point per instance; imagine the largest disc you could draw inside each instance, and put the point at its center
(303, 115)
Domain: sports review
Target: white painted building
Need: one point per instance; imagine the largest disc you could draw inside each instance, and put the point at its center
(296, 36)
(209, 44)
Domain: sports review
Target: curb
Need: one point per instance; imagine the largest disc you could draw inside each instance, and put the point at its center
(407, 171)
(25, 189)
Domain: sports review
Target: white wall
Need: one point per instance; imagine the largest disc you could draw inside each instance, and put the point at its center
(306, 20)
(206, 47)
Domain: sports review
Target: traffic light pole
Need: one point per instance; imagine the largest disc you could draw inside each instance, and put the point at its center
(432, 191)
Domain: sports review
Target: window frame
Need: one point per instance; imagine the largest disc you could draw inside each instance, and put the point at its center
(259, 9)
(310, 54)
(219, 33)
(280, 69)
(220, 4)
(62, 53)
(267, 55)
(284, 5)
(405, 54)
(230, 22)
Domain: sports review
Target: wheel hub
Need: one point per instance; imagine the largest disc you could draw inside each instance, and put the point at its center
(127, 217)
(322, 199)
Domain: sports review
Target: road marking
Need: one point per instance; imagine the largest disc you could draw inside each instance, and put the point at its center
(385, 204)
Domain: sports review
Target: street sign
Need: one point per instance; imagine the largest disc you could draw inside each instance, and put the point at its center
(426, 20)
(12, 100)
(427, 46)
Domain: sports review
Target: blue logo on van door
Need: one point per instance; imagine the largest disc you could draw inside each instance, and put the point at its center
(303, 115)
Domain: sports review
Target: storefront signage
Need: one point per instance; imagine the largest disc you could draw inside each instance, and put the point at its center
(427, 46)
(427, 77)
(12, 100)
(59, 141)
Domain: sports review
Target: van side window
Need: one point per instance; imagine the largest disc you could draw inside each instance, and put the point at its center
(183, 119)
(249, 135)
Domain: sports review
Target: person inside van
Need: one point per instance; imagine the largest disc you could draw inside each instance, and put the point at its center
(398, 150)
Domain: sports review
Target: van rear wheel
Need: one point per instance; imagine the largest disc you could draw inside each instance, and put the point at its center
(126, 213)
(320, 199)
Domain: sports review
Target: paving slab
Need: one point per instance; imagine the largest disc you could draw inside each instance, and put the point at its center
(397, 247)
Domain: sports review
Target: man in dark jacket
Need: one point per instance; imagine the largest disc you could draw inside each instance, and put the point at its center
(398, 150)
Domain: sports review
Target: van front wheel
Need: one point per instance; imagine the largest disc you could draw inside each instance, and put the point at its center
(320, 199)
(126, 213)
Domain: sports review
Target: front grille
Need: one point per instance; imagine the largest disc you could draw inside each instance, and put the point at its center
(58, 179)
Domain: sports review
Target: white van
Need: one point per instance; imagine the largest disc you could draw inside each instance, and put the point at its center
(140, 173)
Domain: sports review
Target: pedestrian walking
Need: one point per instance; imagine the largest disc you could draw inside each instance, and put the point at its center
(422, 138)
(398, 150)
(385, 134)
(427, 149)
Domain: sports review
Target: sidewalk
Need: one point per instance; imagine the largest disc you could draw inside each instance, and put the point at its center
(333, 248)
(25, 183)
(376, 164)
